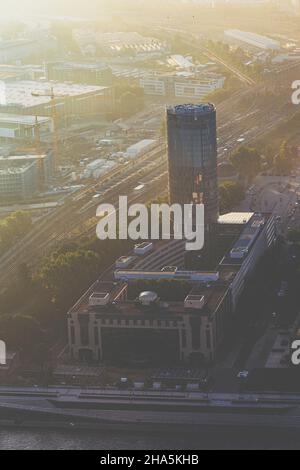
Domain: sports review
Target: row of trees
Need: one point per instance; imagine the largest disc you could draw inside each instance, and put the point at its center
(284, 161)
(248, 161)
(12, 228)
(129, 99)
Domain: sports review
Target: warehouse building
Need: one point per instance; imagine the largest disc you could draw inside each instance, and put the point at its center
(116, 43)
(21, 176)
(252, 39)
(24, 128)
(167, 324)
(139, 148)
(34, 98)
(89, 73)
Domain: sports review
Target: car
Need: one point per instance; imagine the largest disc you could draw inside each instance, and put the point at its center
(243, 375)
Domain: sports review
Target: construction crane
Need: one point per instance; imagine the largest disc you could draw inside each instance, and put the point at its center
(53, 97)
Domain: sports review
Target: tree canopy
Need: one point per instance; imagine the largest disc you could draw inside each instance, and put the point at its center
(13, 228)
(231, 194)
(246, 161)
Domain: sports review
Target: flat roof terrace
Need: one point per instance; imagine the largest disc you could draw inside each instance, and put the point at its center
(20, 92)
(113, 289)
(246, 241)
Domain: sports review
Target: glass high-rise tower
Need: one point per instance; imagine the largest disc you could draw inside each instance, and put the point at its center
(192, 153)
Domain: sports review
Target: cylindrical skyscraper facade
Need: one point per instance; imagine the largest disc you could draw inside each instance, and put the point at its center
(192, 153)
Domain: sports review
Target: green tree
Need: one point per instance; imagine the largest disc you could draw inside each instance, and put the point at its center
(294, 236)
(284, 161)
(129, 99)
(20, 332)
(12, 228)
(64, 276)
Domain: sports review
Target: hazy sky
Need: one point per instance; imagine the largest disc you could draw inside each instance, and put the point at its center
(50, 7)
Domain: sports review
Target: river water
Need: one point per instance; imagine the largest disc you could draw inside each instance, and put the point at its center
(11, 439)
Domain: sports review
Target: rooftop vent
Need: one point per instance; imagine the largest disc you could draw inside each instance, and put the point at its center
(99, 299)
(196, 302)
(148, 298)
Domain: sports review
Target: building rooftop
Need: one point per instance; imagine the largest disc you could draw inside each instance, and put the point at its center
(20, 158)
(246, 241)
(104, 288)
(23, 120)
(80, 65)
(181, 61)
(238, 218)
(15, 43)
(19, 93)
(204, 108)
(212, 295)
(253, 39)
(209, 287)
(15, 170)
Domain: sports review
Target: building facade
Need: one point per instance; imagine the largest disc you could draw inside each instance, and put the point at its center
(181, 86)
(14, 127)
(111, 323)
(22, 176)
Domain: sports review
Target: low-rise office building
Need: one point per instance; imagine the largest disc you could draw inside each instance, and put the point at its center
(186, 320)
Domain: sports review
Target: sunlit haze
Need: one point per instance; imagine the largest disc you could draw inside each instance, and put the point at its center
(149, 228)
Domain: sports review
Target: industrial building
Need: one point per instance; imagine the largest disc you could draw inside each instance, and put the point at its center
(252, 39)
(34, 98)
(10, 72)
(117, 43)
(89, 73)
(22, 176)
(20, 49)
(110, 324)
(139, 148)
(192, 155)
(181, 62)
(24, 128)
